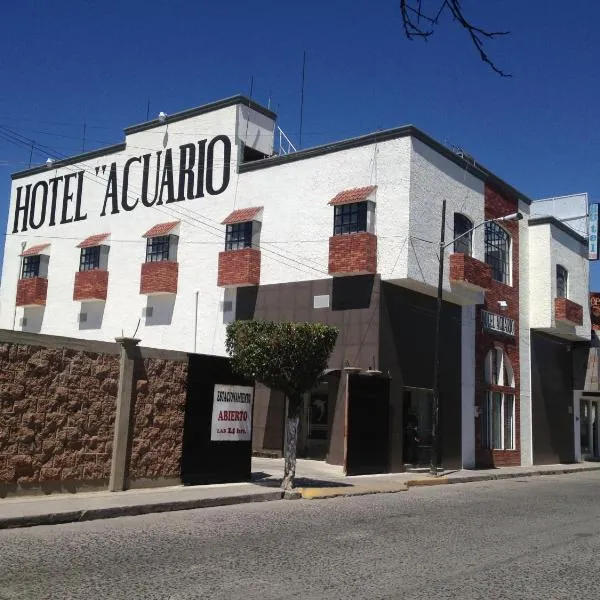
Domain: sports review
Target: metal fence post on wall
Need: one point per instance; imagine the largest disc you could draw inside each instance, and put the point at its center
(118, 467)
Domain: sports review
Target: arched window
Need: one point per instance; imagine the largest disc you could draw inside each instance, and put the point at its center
(562, 282)
(498, 423)
(462, 224)
(497, 252)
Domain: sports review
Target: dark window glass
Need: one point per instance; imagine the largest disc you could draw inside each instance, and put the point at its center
(461, 225)
(562, 280)
(350, 218)
(497, 251)
(157, 248)
(31, 266)
(238, 236)
(89, 259)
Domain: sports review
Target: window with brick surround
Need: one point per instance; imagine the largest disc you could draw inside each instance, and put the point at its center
(462, 224)
(562, 282)
(238, 236)
(497, 252)
(89, 259)
(158, 248)
(350, 218)
(31, 267)
(498, 414)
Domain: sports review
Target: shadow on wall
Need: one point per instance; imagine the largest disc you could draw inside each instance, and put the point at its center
(91, 315)
(32, 319)
(159, 310)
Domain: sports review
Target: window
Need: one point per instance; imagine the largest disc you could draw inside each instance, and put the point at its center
(462, 224)
(89, 259)
(497, 252)
(350, 218)
(238, 236)
(562, 282)
(31, 267)
(157, 248)
(498, 415)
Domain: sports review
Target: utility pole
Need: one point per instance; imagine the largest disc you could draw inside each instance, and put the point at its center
(435, 405)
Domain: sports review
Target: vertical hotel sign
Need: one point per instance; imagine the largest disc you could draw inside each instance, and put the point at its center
(593, 232)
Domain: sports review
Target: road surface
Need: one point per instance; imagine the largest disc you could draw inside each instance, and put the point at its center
(529, 538)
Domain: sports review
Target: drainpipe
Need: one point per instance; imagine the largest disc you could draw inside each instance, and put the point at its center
(196, 322)
(23, 244)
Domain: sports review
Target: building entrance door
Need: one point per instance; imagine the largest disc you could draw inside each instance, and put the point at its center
(417, 407)
(589, 414)
(315, 424)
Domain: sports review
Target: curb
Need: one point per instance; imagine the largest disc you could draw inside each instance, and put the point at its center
(112, 512)
(427, 482)
(339, 492)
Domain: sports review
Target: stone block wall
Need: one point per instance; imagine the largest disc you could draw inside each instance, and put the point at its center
(57, 410)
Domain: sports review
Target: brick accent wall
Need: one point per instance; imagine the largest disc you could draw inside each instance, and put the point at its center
(595, 310)
(159, 277)
(159, 409)
(239, 267)
(57, 409)
(498, 205)
(470, 272)
(355, 253)
(32, 291)
(90, 285)
(568, 311)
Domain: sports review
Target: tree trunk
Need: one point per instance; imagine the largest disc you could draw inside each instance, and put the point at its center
(291, 443)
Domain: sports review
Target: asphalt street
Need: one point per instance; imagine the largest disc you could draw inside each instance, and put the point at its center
(525, 538)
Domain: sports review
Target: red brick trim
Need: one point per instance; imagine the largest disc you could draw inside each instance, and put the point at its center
(32, 291)
(242, 215)
(353, 195)
(90, 285)
(354, 253)
(239, 267)
(470, 272)
(568, 312)
(159, 277)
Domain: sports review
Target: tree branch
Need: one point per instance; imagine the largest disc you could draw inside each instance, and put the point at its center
(414, 29)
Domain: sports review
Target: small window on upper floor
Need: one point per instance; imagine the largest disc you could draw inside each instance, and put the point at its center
(350, 218)
(462, 239)
(238, 236)
(89, 259)
(497, 252)
(31, 267)
(158, 248)
(562, 282)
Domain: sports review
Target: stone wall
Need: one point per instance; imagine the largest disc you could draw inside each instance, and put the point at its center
(57, 410)
(159, 410)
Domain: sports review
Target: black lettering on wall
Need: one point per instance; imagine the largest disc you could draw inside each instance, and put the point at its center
(111, 191)
(145, 177)
(21, 209)
(124, 203)
(42, 204)
(187, 161)
(78, 215)
(167, 179)
(54, 181)
(67, 197)
(210, 164)
(200, 179)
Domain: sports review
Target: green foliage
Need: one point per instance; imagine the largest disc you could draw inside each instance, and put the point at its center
(290, 357)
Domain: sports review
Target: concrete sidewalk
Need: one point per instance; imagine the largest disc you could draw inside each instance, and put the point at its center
(315, 479)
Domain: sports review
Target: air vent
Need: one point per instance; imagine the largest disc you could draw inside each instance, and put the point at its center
(148, 311)
(321, 301)
(227, 305)
(23, 322)
(83, 317)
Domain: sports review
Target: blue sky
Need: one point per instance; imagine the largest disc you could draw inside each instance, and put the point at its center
(67, 63)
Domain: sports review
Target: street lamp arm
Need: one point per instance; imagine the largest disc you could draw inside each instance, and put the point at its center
(512, 217)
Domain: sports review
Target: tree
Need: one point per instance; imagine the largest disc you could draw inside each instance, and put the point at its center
(290, 357)
(421, 24)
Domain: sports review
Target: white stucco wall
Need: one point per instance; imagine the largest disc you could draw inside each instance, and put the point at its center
(548, 247)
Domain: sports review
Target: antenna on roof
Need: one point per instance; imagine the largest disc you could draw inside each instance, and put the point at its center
(83, 141)
(251, 85)
(148, 110)
(302, 98)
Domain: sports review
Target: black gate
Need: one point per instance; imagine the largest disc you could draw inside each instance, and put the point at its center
(204, 461)
(367, 434)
